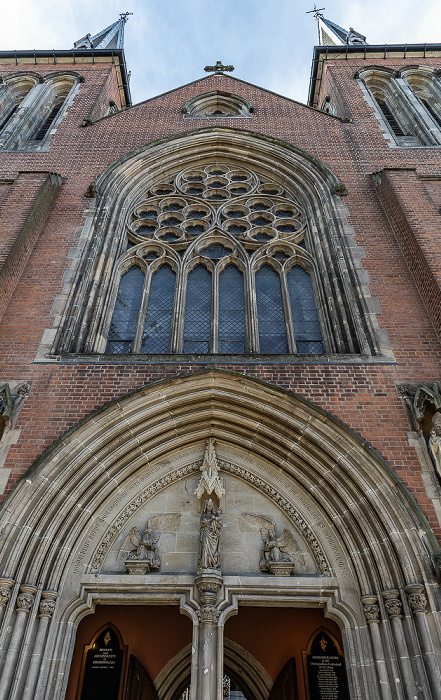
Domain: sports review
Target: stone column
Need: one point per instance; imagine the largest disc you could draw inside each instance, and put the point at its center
(5, 594)
(208, 669)
(24, 603)
(371, 611)
(394, 608)
(418, 603)
(46, 609)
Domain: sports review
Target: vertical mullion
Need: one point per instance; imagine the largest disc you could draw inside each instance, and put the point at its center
(142, 311)
(287, 311)
(252, 322)
(177, 334)
(215, 310)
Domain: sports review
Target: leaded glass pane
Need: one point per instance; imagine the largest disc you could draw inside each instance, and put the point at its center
(272, 332)
(125, 315)
(157, 327)
(305, 318)
(232, 338)
(197, 322)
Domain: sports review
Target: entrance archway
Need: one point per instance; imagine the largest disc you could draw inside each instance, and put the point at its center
(364, 546)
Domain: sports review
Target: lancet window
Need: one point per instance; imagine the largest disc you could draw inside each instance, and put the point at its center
(217, 261)
(409, 102)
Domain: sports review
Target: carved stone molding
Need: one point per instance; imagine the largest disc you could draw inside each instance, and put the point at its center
(171, 478)
(5, 590)
(392, 603)
(208, 586)
(286, 507)
(417, 597)
(371, 609)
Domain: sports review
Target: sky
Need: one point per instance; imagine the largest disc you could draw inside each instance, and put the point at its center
(168, 42)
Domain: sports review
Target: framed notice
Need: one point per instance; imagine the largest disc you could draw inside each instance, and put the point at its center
(102, 668)
(324, 668)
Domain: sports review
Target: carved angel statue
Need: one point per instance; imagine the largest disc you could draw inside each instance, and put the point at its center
(209, 534)
(141, 547)
(275, 550)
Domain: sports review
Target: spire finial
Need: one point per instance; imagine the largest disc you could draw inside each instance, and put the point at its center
(125, 15)
(318, 16)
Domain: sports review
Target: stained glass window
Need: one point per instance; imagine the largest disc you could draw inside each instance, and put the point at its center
(232, 337)
(307, 331)
(197, 322)
(157, 327)
(271, 318)
(125, 315)
(204, 290)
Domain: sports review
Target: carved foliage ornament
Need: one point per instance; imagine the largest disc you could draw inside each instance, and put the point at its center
(372, 613)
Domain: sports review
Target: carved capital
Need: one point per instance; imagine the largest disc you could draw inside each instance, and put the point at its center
(208, 614)
(5, 590)
(392, 603)
(371, 608)
(417, 597)
(25, 602)
(47, 603)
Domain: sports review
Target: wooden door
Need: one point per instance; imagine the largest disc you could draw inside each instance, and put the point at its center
(285, 685)
(139, 684)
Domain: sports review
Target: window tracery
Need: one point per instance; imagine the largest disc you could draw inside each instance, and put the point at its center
(409, 102)
(31, 105)
(216, 262)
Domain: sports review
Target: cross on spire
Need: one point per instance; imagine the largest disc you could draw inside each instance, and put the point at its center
(318, 16)
(218, 69)
(125, 15)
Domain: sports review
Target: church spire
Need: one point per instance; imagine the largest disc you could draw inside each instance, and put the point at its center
(331, 34)
(112, 37)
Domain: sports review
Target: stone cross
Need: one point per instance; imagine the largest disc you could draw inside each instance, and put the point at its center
(218, 69)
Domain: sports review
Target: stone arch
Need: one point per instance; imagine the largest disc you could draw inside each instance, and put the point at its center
(344, 299)
(68, 508)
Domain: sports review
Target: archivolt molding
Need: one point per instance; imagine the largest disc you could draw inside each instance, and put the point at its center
(374, 518)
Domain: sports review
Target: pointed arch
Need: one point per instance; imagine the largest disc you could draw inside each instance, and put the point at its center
(318, 218)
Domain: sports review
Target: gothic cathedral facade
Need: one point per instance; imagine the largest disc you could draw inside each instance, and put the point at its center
(220, 385)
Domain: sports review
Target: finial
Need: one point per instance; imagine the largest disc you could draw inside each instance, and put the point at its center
(125, 15)
(218, 69)
(318, 16)
(316, 11)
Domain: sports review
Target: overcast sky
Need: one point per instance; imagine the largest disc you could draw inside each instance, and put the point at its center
(168, 42)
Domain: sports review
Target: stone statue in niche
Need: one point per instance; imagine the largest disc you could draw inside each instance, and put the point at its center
(209, 534)
(278, 554)
(435, 442)
(140, 548)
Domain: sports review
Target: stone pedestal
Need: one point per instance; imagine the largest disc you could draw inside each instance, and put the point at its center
(281, 568)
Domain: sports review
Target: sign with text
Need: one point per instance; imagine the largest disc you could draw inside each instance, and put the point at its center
(324, 667)
(102, 668)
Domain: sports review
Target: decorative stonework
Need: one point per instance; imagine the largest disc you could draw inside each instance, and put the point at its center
(372, 613)
(277, 553)
(11, 400)
(208, 614)
(392, 603)
(417, 597)
(137, 503)
(209, 534)
(24, 602)
(171, 478)
(47, 608)
(210, 481)
(5, 590)
(219, 68)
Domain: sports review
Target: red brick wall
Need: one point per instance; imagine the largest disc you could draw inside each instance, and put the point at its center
(363, 396)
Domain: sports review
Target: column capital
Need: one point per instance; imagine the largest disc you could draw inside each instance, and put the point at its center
(371, 608)
(47, 604)
(417, 597)
(392, 603)
(5, 590)
(25, 598)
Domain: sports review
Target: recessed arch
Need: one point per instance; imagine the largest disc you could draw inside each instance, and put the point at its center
(84, 323)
